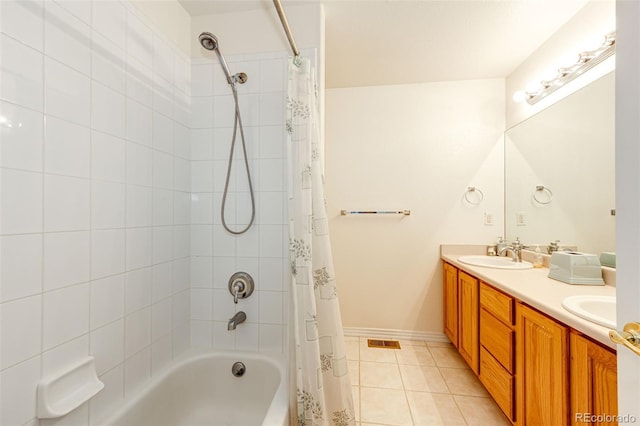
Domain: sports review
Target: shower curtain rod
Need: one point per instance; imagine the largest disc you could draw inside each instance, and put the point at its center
(287, 30)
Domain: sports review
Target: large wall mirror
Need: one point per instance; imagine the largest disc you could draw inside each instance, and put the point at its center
(560, 172)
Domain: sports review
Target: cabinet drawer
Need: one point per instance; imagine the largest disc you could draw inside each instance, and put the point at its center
(498, 382)
(499, 304)
(498, 339)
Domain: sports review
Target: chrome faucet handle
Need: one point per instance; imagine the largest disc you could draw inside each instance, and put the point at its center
(238, 287)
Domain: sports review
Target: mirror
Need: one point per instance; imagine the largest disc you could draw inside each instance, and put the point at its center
(568, 149)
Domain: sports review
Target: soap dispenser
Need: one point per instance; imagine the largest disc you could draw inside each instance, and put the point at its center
(537, 257)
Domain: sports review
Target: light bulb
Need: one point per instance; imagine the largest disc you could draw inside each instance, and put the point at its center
(519, 96)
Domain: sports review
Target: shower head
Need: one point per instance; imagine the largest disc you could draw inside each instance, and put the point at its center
(208, 41)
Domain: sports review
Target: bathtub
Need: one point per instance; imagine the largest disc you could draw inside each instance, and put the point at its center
(201, 390)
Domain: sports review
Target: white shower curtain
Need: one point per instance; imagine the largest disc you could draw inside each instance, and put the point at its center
(322, 378)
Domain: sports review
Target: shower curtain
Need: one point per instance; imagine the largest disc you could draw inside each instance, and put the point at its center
(322, 378)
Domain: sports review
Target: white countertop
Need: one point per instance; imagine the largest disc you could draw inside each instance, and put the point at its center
(533, 287)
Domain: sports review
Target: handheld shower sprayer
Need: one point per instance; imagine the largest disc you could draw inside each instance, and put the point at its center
(210, 42)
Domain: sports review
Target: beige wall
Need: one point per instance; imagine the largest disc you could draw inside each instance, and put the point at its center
(171, 18)
(414, 147)
(587, 27)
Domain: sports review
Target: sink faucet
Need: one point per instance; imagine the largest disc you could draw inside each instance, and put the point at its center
(238, 318)
(516, 250)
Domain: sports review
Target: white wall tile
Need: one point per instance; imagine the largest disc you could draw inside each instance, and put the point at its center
(247, 337)
(271, 207)
(162, 207)
(139, 82)
(66, 148)
(162, 59)
(202, 77)
(181, 275)
(202, 304)
(162, 244)
(22, 20)
(80, 9)
(109, 18)
(202, 176)
(223, 243)
(222, 338)
(139, 123)
(271, 176)
(163, 97)
(66, 259)
(108, 63)
(107, 252)
(181, 141)
(224, 112)
(201, 269)
(66, 203)
(248, 244)
(270, 307)
(251, 109)
(162, 133)
(162, 170)
(161, 320)
(201, 334)
(202, 208)
(221, 143)
(22, 78)
(162, 276)
(21, 330)
(137, 331)
(139, 247)
(108, 110)
(107, 346)
(21, 196)
(67, 93)
(223, 269)
(271, 241)
(107, 205)
(139, 207)
(108, 157)
(161, 353)
(272, 142)
(181, 309)
(107, 300)
(18, 384)
(137, 369)
(219, 177)
(201, 239)
(21, 273)
(202, 141)
(182, 72)
(67, 38)
(181, 206)
(66, 314)
(139, 40)
(272, 73)
(223, 306)
(271, 338)
(139, 165)
(271, 274)
(137, 290)
(110, 398)
(181, 242)
(63, 357)
(202, 113)
(21, 144)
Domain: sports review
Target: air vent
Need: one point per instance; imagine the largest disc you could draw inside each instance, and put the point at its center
(386, 344)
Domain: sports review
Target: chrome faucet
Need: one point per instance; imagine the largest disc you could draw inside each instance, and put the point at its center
(516, 250)
(238, 318)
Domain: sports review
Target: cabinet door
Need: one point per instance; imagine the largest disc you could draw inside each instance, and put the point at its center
(541, 369)
(468, 330)
(594, 387)
(451, 303)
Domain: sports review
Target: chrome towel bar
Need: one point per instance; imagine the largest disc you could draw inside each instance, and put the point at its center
(348, 212)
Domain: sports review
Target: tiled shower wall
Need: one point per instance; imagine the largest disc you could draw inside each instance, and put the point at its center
(95, 190)
(262, 251)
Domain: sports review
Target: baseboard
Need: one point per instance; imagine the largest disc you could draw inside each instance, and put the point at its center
(386, 333)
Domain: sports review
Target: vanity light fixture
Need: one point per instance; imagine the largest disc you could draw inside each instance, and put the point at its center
(586, 61)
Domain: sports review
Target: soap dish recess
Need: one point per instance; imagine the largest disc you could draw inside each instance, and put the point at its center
(59, 395)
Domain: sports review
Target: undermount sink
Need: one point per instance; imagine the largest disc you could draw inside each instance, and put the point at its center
(598, 309)
(497, 262)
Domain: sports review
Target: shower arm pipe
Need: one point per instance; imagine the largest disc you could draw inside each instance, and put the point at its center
(287, 30)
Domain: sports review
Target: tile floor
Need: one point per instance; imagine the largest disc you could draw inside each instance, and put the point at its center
(424, 383)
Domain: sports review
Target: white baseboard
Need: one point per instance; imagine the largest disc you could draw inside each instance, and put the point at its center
(386, 333)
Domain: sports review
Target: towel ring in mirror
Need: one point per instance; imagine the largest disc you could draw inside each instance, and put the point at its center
(542, 195)
(476, 199)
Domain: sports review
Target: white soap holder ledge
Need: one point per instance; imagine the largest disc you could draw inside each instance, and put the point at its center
(60, 395)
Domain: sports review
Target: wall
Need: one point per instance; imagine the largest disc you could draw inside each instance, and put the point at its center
(585, 31)
(95, 200)
(414, 147)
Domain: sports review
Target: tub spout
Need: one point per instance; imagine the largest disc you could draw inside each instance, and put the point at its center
(238, 318)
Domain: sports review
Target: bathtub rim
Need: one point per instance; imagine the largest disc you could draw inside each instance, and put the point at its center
(273, 415)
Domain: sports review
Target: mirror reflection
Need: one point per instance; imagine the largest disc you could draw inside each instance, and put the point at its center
(568, 150)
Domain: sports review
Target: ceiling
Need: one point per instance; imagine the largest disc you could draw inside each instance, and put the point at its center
(381, 42)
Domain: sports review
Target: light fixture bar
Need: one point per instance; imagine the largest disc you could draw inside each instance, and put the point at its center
(586, 61)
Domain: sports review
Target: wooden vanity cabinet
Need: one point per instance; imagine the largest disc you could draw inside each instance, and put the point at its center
(542, 369)
(468, 327)
(450, 279)
(497, 347)
(594, 382)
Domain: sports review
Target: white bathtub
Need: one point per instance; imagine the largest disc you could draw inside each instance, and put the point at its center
(200, 390)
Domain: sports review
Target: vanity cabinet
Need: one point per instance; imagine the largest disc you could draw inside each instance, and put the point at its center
(542, 369)
(468, 327)
(450, 279)
(594, 382)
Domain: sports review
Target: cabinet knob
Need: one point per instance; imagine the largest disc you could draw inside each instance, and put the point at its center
(630, 337)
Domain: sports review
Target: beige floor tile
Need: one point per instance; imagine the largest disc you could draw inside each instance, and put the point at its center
(463, 382)
(415, 355)
(434, 409)
(355, 391)
(406, 342)
(385, 406)
(422, 378)
(353, 350)
(354, 372)
(380, 375)
(447, 356)
(480, 411)
(376, 354)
